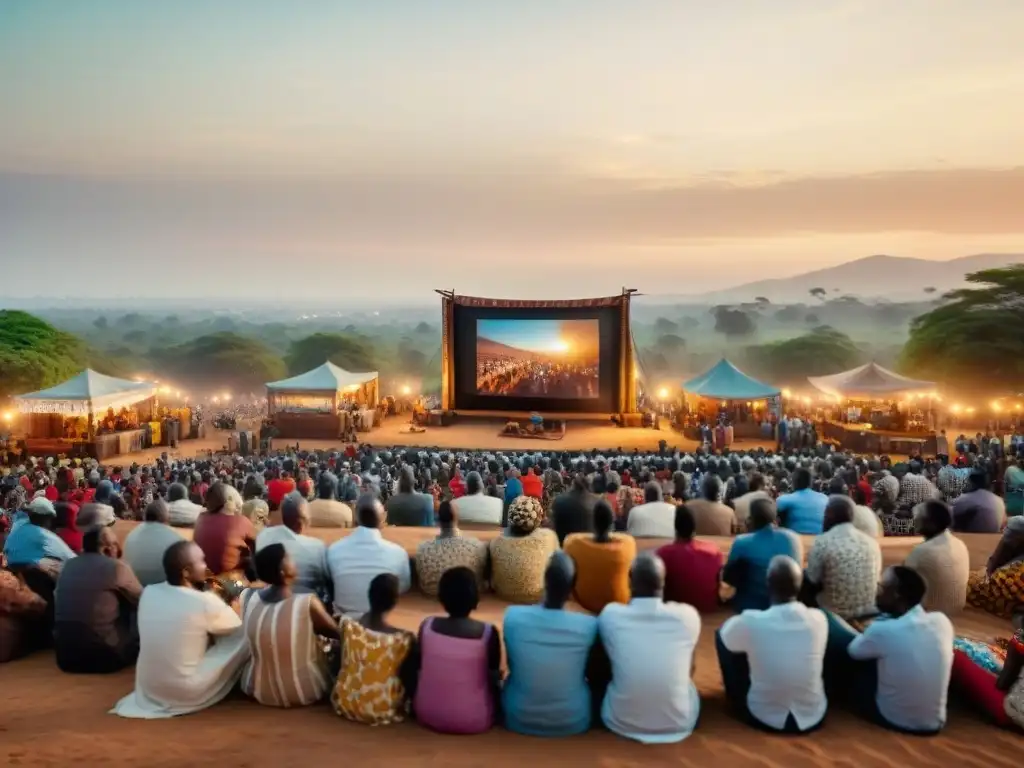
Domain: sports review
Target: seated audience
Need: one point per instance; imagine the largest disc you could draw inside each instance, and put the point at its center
(655, 518)
(66, 525)
(533, 485)
(226, 538)
(448, 550)
(22, 614)
(989, 676)
(287, 665)
(978, 510)
(99, 511)
(254, 506)
(864, 518)
(602, 561)
(183, 512)
(650, 644)
(746, 568)
(477, 507)
(843, 565)
(146, 544)
(94, 630)
(905, 657)
(355, 560)
(556, 667)
(179, 672)
(803, 510)
(378, 661)
(693, 569)
(34, 539)
(460, 662)
(325, 511)
(279, 487)
(307, 553)
(572, 511)
(772, 659)
(712, 517)
(942, 560)
(741, 504)
(999, 589)
(409, 507)
(520, 554)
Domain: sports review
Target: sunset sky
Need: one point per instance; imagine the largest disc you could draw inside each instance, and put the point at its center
(534, 149)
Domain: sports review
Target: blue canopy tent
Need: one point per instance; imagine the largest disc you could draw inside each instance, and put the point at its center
(724, 381)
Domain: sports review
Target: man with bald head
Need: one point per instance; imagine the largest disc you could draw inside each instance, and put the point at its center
(307, 552)
(650, 644)
(556, 666)
(843, 566)
(354, 561)
(772, 660)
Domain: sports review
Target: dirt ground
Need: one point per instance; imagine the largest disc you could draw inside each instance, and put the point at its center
(52, 719)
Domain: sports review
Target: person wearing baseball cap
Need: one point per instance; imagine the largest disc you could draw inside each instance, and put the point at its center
(35, 540)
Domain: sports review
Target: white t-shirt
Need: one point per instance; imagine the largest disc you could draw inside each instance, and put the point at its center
(358, 559)
(655, 520)
(785, 648)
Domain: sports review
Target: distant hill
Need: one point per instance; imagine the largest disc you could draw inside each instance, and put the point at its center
(896, 278)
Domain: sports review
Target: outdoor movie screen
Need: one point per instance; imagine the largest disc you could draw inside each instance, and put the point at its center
(538, 358)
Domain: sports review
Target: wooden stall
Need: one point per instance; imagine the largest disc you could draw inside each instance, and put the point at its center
(324, 403)
(724, 393)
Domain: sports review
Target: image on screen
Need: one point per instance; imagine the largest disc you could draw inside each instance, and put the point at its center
(538, 358)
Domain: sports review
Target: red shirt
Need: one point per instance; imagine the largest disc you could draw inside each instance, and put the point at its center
(51, 493)
(278, 489)
(532, 485)
(457, 487)
(226, 541)
(866, 489)
(692, 572)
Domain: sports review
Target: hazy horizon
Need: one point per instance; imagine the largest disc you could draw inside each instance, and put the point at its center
(373, 152)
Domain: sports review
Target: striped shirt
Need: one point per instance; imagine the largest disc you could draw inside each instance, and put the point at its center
(288, 667)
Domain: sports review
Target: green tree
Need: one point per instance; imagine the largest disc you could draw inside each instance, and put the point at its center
(789, 314)
(733, 322)
(424, 328)
(222, 359)
(665, 326)
(821, 352)
(343, 350)
(100, 323)
(974, 334)
(35, 355)
(670, 342)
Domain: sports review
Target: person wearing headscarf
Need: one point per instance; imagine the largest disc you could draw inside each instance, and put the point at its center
(999, 589)
(520, 554)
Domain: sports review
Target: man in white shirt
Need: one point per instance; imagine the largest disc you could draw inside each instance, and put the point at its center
(655, 518)
(772, 660)
(308, 553)
(650, 644)
(183, 512)
(354, 561)
(476, 506)
(910, 658)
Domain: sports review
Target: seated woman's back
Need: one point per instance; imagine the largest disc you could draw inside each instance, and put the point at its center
(225, 536)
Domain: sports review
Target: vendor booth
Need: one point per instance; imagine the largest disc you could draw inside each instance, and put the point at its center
(325, 403)
(724, 395)
(91, 415)
(878, 411)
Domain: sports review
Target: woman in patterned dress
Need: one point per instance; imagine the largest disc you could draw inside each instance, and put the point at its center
(999, 589)
(990, 676)
(520, 555)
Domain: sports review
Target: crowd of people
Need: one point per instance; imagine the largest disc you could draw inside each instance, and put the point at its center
(535, 378)
(253, 601)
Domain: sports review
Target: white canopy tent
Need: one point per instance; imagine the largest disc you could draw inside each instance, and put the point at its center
(322, 390)
(325, 378)
(870, 382)
(88, 392)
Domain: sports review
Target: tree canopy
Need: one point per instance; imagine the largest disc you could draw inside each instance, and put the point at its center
(975, 333)
(821, 352)
(343, 350)
(665, 326)
(733, 322)
(35, 355)
(223, 358)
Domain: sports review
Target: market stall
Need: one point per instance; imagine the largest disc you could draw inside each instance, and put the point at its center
(90, 415)
(326, 403)
(744, 406)
(876, 410)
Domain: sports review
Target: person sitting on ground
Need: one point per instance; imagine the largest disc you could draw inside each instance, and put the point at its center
(226, 538)
(1013, 483)
(915, 489)
(901, 664)
(741, 504)
(557, 670)
(449, 549)
(408, 507)
(533, 485)
(864, 518)
(146, 544)
(941, 559)
(803, 510)
(307, 553)
(95, 604)
(477, 507)
(34, 540)
(22, 614)
(66, 525)
(655, 518)
(650, 645)
(573, 511)
(780, 691)
(355, 560)
(460, 662)
(179, 672)
(693, 568)
(325, 511)
(712, 517)
(279, 487)
(843, 565)
(978, 510)
(999, 589)
(379, 662)
(746, 568)
(99, 511)
(183, 512)
(991, 676)
(254, 506)
(520, 554)
(287, 665)
(602, 559)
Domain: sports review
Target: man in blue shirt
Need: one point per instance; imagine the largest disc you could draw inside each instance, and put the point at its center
(33, 541)
(746, 568)
(803, 510)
